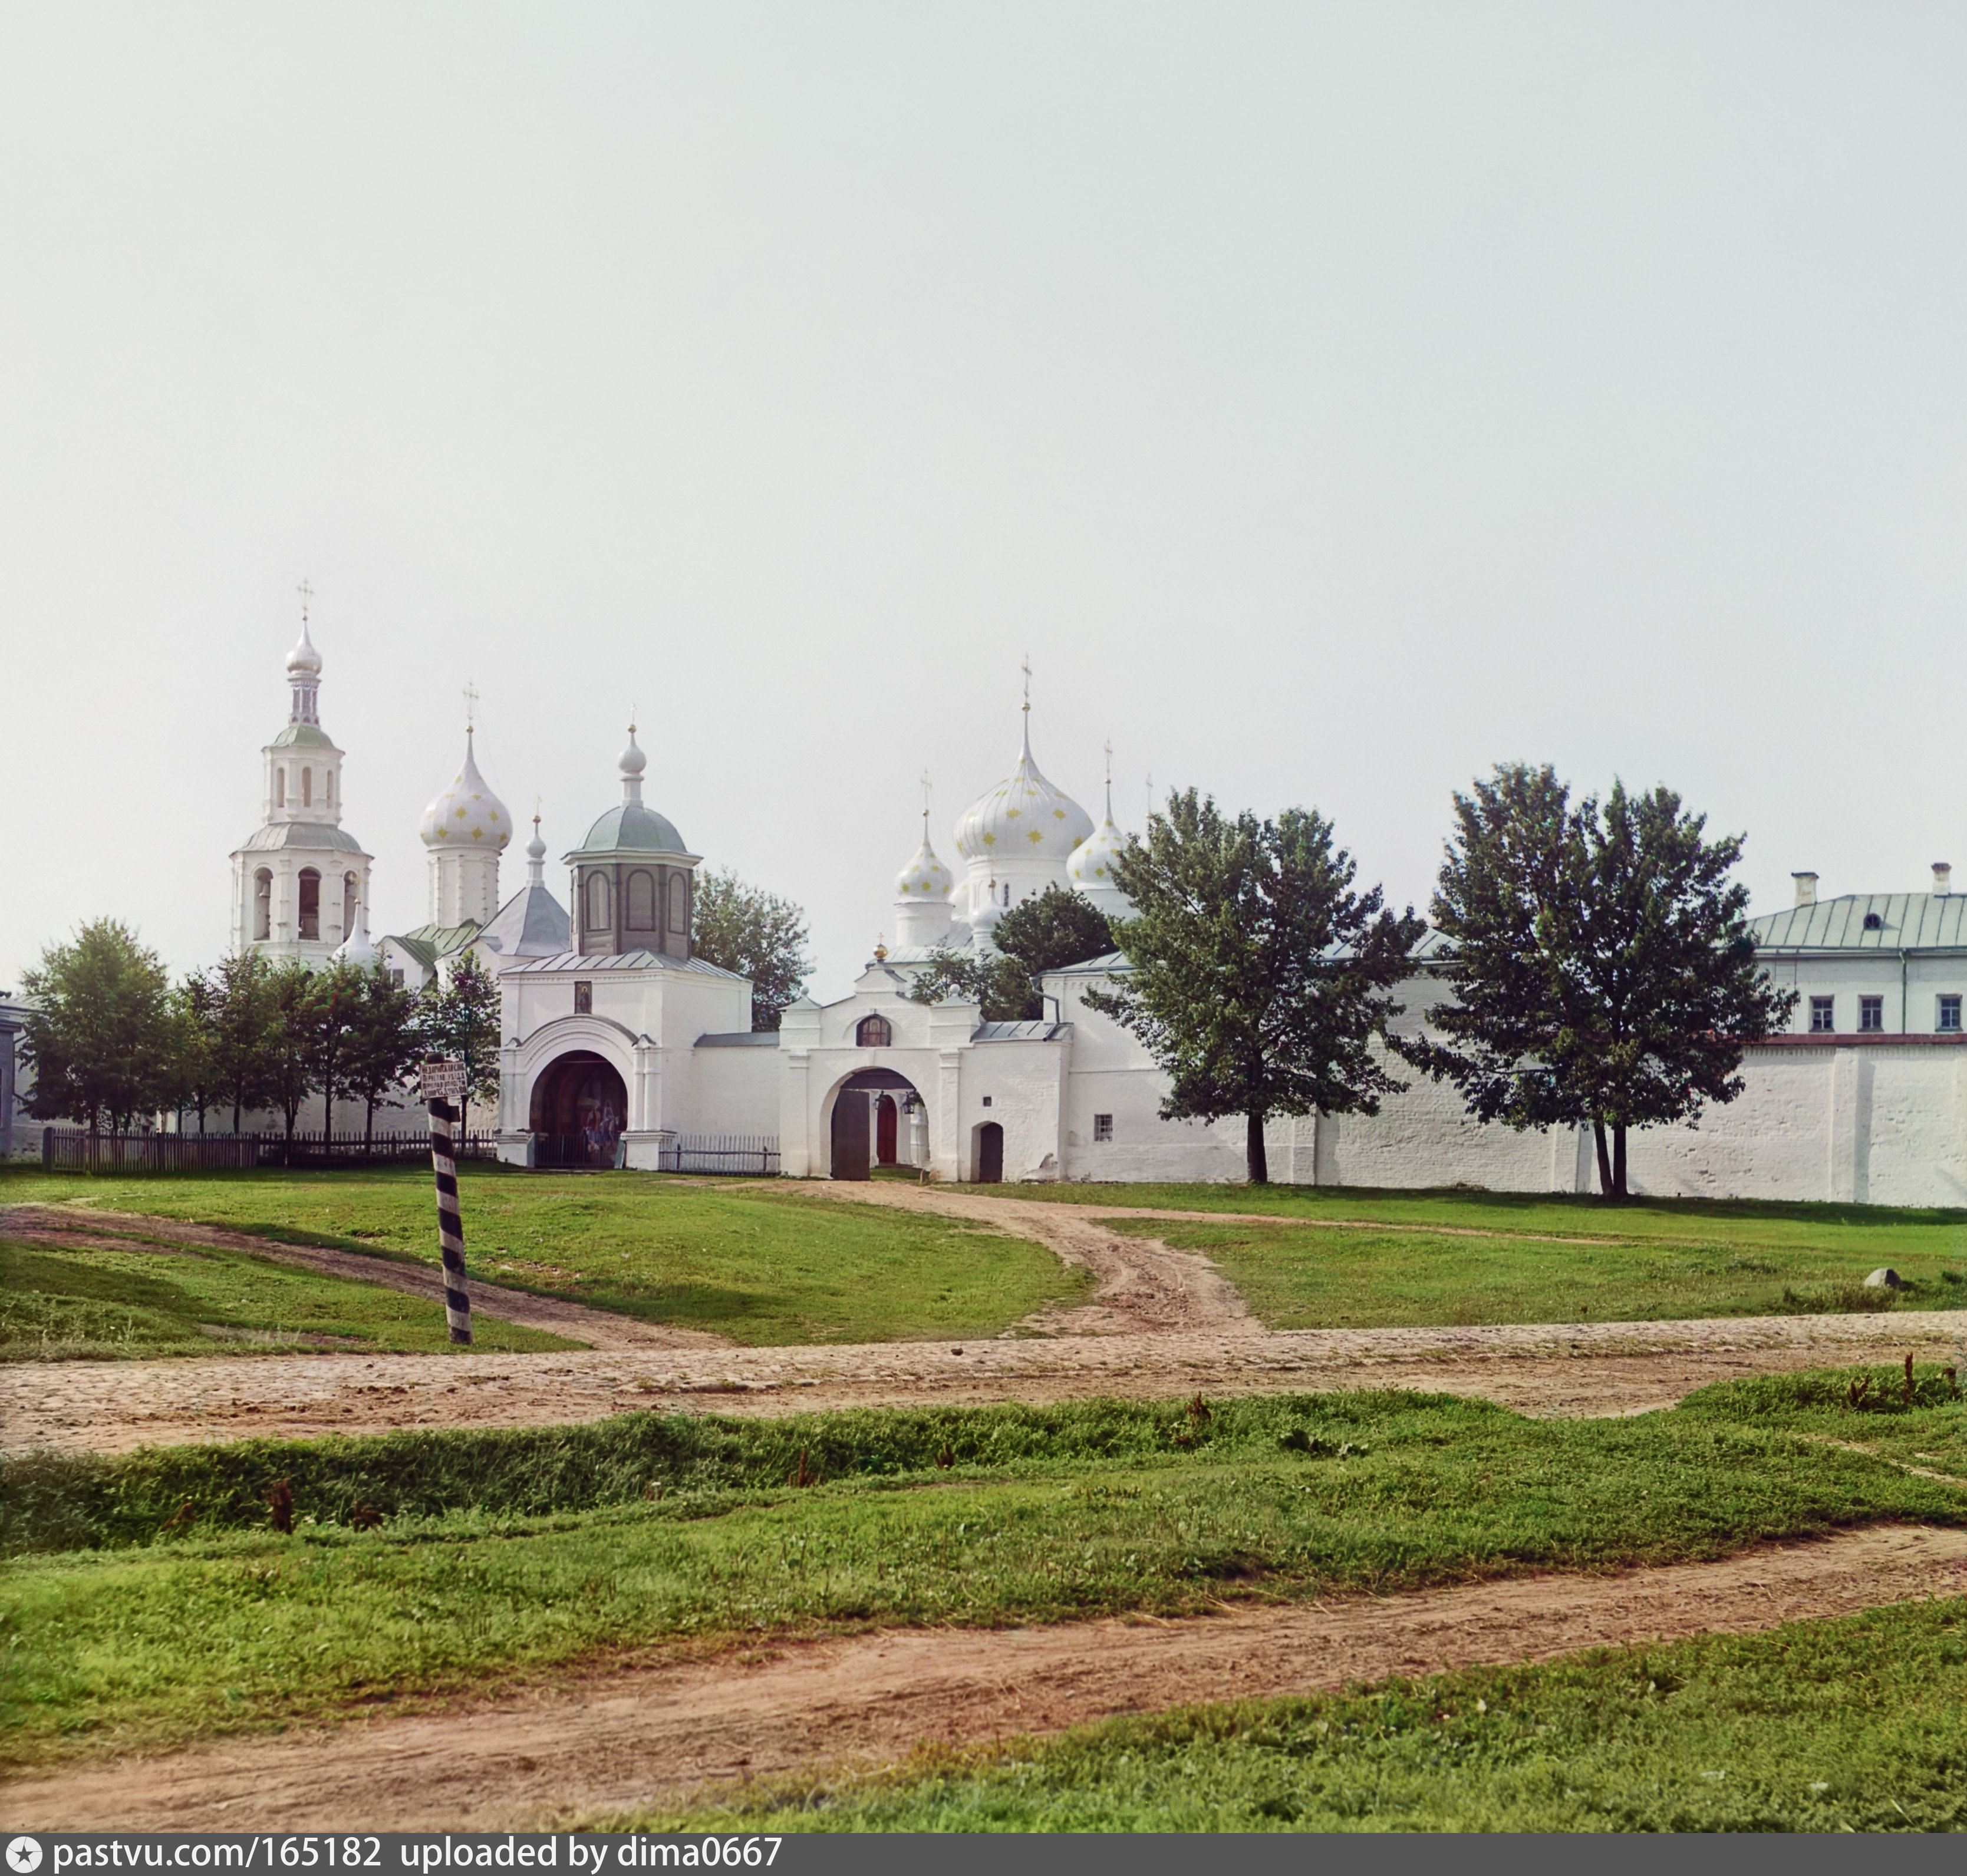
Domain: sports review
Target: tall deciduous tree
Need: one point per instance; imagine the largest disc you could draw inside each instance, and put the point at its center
(460, 1020)
(241, 1033)
(1602, 966)
(101, 1031)
(337, 1004)
(998, 984)
(195, 1010)
(381, 1049)
(1055, 928)
(756, 934)
(292, 1040)
(1258, 975)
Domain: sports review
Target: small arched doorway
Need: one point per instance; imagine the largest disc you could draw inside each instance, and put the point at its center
(867, 1127)
(579, 1107)
(989, 1154)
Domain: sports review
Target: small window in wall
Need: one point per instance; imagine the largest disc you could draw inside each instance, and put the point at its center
(679, 902)
(987, 1100)
(280, 788)
(396, 978)
(307, 788)
(1871, 1014)
(1949, 1016)
(597, 902)
(310, 903)
(583, 999)
(1822, 1014)
(262, 905)
(875, 1032)
(328, 788)
(1103, 1126)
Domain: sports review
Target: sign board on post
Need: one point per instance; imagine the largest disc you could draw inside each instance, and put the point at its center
(444, 1088)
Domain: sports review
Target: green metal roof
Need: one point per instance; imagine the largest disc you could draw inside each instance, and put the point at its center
(314, 834)
(1905, 921)
(630, 828)
(304, 736)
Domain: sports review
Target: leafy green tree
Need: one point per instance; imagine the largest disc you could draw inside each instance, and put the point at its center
(338, 990)
(1259, 976)
(993, 980)
(100, 1032)
(460, 1020)
(1599, 955)
(1057, 927)
(195, 1011)
(241, 1034)
(382, 1045)
(292, 1040)
(756, 934)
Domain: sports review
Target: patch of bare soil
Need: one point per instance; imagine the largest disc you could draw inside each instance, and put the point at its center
(615, 1741)
(63, 1228)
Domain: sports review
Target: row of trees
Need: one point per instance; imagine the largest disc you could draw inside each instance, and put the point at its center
(113, 1041)
(1596, 956)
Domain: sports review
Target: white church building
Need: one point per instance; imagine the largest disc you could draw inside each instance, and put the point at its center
(622, 1047)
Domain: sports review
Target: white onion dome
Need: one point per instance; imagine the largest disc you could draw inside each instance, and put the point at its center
(1024, 816)
(633, 761)
(304, 661)
(536, 847)
(466, 814)
(924, 878)
(1091, 868)
(357, 950)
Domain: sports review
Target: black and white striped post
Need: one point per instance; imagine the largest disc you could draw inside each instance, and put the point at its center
(443, 1093)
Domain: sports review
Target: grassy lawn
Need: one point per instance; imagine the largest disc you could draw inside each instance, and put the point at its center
(741, 1259)
(1304, 1276)
(505, 1555)
(1858, 1724)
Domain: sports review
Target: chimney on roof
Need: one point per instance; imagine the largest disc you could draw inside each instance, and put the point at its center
(1806, 888)
(1943, 878)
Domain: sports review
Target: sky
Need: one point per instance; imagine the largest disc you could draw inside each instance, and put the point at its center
(1332, 400)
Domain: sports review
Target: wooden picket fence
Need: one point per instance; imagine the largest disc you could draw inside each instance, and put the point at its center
(755, 1153)
(66, 1150)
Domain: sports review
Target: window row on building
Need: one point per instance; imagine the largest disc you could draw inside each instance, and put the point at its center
(1871, 1015)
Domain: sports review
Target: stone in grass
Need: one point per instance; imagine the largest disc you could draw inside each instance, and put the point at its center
(1884, 1279)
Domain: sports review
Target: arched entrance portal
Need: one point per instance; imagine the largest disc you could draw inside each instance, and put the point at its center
(878, 1120)
(579, 1107)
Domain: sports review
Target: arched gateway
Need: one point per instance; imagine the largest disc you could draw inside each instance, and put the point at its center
(875, 1124)
(579, 1107)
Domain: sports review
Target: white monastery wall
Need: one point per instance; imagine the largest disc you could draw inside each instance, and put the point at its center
(736, 1090)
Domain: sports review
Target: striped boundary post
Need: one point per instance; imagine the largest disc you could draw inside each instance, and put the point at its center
(450, 1226)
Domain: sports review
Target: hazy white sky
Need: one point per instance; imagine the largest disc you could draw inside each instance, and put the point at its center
(1333, 399)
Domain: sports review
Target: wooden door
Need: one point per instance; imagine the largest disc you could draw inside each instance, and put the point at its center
(850, 1134)
(884, 1130)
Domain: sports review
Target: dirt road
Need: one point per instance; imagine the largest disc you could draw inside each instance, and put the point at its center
(1159, 1323)
(612, 1741)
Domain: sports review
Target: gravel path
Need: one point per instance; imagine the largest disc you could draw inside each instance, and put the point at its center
(613, 1741)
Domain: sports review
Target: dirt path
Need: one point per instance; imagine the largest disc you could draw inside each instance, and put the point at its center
(622, 1740)
(65, 1228)
(1565, 1369)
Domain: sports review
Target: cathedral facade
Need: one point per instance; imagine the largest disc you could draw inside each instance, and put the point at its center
(622, 1047)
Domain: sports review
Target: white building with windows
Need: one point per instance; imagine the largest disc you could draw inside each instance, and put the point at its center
(622, 1047)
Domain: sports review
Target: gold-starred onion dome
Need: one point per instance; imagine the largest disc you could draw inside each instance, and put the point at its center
(924, 877)
(466, 813)
(1091, 865)
(1025, 816)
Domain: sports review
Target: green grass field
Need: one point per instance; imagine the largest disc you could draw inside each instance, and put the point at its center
(761, 1266)
(1308, 1275)
(148, 1601)
(83, 1304)
(1858, 1724)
